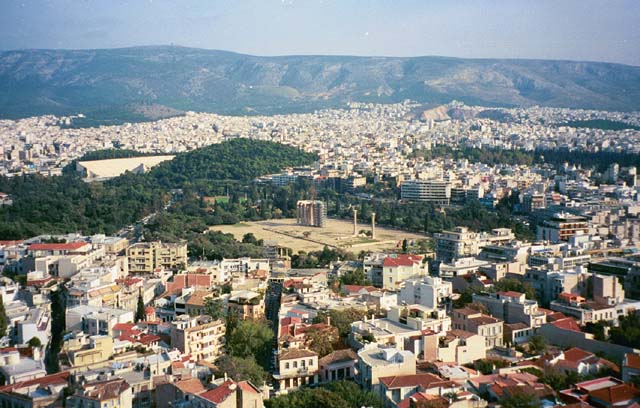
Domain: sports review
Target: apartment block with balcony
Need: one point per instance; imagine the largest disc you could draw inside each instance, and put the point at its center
(512, 307)
(561, 227)
(431, 292)
(489, 327)
(200, 336)
(435, 191)
(147, 257)
(296, 368)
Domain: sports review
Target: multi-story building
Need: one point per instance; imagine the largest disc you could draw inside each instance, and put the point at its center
(296, 367)
(630, 367)
(591, 311)
(147, 257)
(456, 346)
(435, 191)
(462, 243)
(312, 213)
(372, 266)
(375, 361)
(561, 227)
(111, 393)
(96, 320)
(549, 283)
(200, 336)
(512, 307)
(42, 392)
(229, 394)
(37, 323)
(398, 268)
(628, 270)
(430, 292)
(246, 304)
(338, 365)
(473, 321)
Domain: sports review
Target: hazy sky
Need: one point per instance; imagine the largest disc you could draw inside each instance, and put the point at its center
(603, 30)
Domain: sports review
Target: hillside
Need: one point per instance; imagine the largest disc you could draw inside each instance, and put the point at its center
(46, 205)
(145, 82)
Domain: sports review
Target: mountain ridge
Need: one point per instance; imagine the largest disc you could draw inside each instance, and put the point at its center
(112, 82)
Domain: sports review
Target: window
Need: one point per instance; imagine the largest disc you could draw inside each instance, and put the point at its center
(295, 364)
(310, 363)
(286, 365)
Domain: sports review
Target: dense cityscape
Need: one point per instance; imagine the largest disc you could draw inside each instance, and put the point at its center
(319, 204)
(332, 305)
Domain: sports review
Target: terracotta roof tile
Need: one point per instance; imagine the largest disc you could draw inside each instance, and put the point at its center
(220, 393)
(412, 380)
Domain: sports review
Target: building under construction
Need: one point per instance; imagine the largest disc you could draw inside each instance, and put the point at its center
(312, 213)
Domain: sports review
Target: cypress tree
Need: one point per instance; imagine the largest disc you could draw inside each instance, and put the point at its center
(3, 319)
(140, 308)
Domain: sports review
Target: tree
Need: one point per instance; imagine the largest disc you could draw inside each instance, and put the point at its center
(241, 369)
(140, 307)
(214, 308)
(487, 366)
(308, 398)
(58, 325)
(3, 319)
(341, 319)
(355, 277)
(251, 338)
(355, 396)
(322, 341)
(249, 238)
(515, 285)
(598, 329)
(627, 333)
(34, 342)
(537, 344)
(520, 399)
(404, 245)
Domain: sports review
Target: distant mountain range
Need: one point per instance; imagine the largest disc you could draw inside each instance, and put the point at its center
(151, 82)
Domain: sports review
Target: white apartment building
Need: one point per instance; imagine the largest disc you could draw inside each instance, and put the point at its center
(430, 292)
(398, 268)
(375, 361)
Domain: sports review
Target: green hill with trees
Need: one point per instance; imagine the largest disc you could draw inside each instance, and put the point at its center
(66, 203)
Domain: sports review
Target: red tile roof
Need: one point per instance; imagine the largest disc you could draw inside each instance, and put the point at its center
(191, 386)
(123, 326)
(6, 243)
(576, 354)
(104, 390)
(567, 324)
(616, 394)
(69, 246)
(220, 393)
(246, 386)
(420, 398)
(632, 360)
(58, 378)
(412, 380)
(297, 353)
(402, 260)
